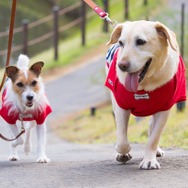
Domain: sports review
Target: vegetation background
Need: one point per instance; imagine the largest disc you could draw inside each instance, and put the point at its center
(82, 127)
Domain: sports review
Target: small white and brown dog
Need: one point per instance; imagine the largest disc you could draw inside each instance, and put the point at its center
(24, 99)
(146, 76)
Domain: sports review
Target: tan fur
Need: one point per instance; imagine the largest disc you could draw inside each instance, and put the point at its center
(161, 46)
(18, 76)
(161, 41)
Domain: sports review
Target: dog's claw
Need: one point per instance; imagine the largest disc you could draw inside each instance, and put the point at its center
(123, 158)
(13, 158)
(149, 165)
(160, 153)
(43, 160)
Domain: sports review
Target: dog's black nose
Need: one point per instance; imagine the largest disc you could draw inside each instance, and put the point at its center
(29, 97)
(123, 66)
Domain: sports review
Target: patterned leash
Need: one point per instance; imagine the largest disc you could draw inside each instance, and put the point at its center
(102, 14)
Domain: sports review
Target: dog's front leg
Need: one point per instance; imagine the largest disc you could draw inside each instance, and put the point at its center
(160, 152)
(41, 134)
(149, 161)
(122, 146)
(13, 130)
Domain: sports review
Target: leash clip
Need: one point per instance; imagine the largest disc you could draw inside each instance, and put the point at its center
(112, 23)
(104, 15)
(101, 13)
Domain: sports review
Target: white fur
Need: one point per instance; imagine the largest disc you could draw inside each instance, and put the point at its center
(39, 102)
(23, 62)
(12, 98)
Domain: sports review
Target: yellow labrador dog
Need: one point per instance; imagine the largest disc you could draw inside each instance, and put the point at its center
(146, 76)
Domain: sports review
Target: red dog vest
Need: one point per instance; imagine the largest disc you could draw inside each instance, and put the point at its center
(145, 103)
(39, 115)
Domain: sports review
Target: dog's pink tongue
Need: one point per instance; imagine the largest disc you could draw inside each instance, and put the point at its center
(131, 82)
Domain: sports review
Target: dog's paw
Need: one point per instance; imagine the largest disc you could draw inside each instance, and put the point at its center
(149, 164)
(123, 158)
(123, 148)
(160, 152)
(13, 158)
(43, 159)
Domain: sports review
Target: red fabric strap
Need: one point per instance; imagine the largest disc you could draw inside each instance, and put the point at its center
(96, 8)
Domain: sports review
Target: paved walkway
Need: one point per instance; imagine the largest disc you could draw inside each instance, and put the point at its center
(86, 165)
(77, 166)
(80, 89)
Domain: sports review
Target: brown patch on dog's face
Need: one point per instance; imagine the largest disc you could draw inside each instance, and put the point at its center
(19, 83)
(33, 81)
(26, 84)
(23, 81)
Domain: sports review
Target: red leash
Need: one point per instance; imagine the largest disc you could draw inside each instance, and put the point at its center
(100, 12)
(11, 29)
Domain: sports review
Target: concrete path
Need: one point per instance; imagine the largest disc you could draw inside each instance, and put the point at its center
(90, 166)
(86, 165)
(80, 89)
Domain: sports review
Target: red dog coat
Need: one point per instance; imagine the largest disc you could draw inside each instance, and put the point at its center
(39, 115)
(145, 103)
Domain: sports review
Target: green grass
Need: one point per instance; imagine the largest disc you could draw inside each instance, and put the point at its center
(172, 19)
(84, 128)
(70, 49)
(32, 11)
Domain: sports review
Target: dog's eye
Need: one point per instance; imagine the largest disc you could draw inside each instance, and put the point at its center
(34, 83)
(20, 84)
(140, 42)
(121, 43)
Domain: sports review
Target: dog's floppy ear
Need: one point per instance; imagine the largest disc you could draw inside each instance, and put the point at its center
(166, 33)
(12, 72)
(115, 34)
(37, 67)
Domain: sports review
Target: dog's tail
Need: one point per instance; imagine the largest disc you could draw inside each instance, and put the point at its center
(23, 62)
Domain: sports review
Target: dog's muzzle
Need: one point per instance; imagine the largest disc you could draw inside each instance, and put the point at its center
(132, 80)
(29, 102)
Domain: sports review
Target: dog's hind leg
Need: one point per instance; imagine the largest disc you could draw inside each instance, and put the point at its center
(149, 161)
(27, 144)
(122, 146)
(41, 134)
